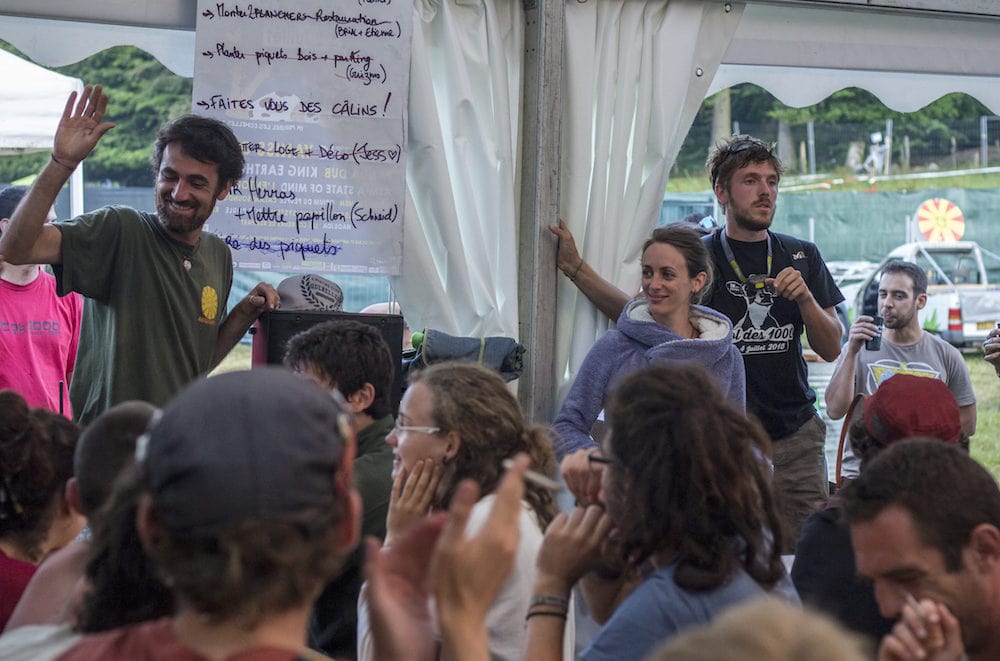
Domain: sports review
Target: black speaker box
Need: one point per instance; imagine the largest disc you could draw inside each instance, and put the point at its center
(273, 330)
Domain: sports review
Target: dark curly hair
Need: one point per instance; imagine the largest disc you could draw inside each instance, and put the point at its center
(689, 479)
(346, 354)
(36, 460)
(203, 139)
(475, 402)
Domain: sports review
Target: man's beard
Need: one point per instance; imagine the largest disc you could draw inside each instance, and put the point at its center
(177, 223)
(748, 222)
(899, 321)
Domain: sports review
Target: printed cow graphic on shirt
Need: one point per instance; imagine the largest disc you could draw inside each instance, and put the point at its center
(758, 331)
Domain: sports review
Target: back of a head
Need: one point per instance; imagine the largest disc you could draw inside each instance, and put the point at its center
(346, 354)
(905, 406)
(765, 630)
(689, 477)
(905, 474)
(253, 510)
(106, 446)
(475, 402)
(123, 585)
(10, 197)
(36, 460)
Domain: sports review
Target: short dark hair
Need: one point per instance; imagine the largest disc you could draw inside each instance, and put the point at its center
(736, 152)
(346, 354)
(688, 242)
(916, 274)
(204, 139)
(105, 447)
(906, 473)
(690, 477)
(10, 197)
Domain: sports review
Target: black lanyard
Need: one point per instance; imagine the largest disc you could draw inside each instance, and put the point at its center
(732, 259)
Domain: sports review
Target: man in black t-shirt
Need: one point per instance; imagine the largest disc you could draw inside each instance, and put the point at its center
(773, 287)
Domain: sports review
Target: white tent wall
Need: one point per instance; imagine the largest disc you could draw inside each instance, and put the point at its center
(908, 52)
(30, 110)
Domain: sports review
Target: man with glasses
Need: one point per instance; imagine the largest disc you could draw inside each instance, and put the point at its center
(772, 287)
(353, 358)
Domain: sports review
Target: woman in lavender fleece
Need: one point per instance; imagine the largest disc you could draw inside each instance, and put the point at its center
(663, 324)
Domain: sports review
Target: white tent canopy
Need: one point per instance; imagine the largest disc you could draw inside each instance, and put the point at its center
(801, 54)
(30, 108)
(31, 104)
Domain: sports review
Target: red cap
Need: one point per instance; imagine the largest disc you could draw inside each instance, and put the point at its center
(906, 405)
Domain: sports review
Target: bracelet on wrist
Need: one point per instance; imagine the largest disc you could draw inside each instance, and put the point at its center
(546, 613)
(549, 600)
(576, 271)
(61, 164)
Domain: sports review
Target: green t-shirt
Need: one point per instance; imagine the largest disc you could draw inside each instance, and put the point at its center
(152, 311)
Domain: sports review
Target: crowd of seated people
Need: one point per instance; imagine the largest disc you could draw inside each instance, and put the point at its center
(241, 509)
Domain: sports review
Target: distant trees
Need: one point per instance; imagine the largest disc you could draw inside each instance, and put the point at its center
(143, 94)
(857, 110)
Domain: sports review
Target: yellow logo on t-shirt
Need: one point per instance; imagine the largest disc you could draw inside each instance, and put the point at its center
(209, 304)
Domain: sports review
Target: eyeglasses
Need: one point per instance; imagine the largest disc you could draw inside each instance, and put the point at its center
(398, 428)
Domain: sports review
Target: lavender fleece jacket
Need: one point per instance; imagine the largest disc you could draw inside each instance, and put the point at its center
(636, 342)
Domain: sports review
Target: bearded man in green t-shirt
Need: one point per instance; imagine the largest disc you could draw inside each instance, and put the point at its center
(156, 285)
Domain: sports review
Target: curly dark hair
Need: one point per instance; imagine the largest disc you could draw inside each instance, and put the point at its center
(346, 354)
(124, 587)
(736, 152)
(203, 139)
(475, 402)
(689, 479)
(36, 460)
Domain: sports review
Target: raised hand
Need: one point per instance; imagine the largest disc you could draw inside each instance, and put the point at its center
(81, 126)
(568, 258)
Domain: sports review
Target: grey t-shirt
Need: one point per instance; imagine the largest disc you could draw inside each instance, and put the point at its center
(930, 357)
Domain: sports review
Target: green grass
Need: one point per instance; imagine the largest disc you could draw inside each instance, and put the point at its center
(238, 359)
(986, 443)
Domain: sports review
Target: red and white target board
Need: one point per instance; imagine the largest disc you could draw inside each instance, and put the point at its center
(940, 220)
